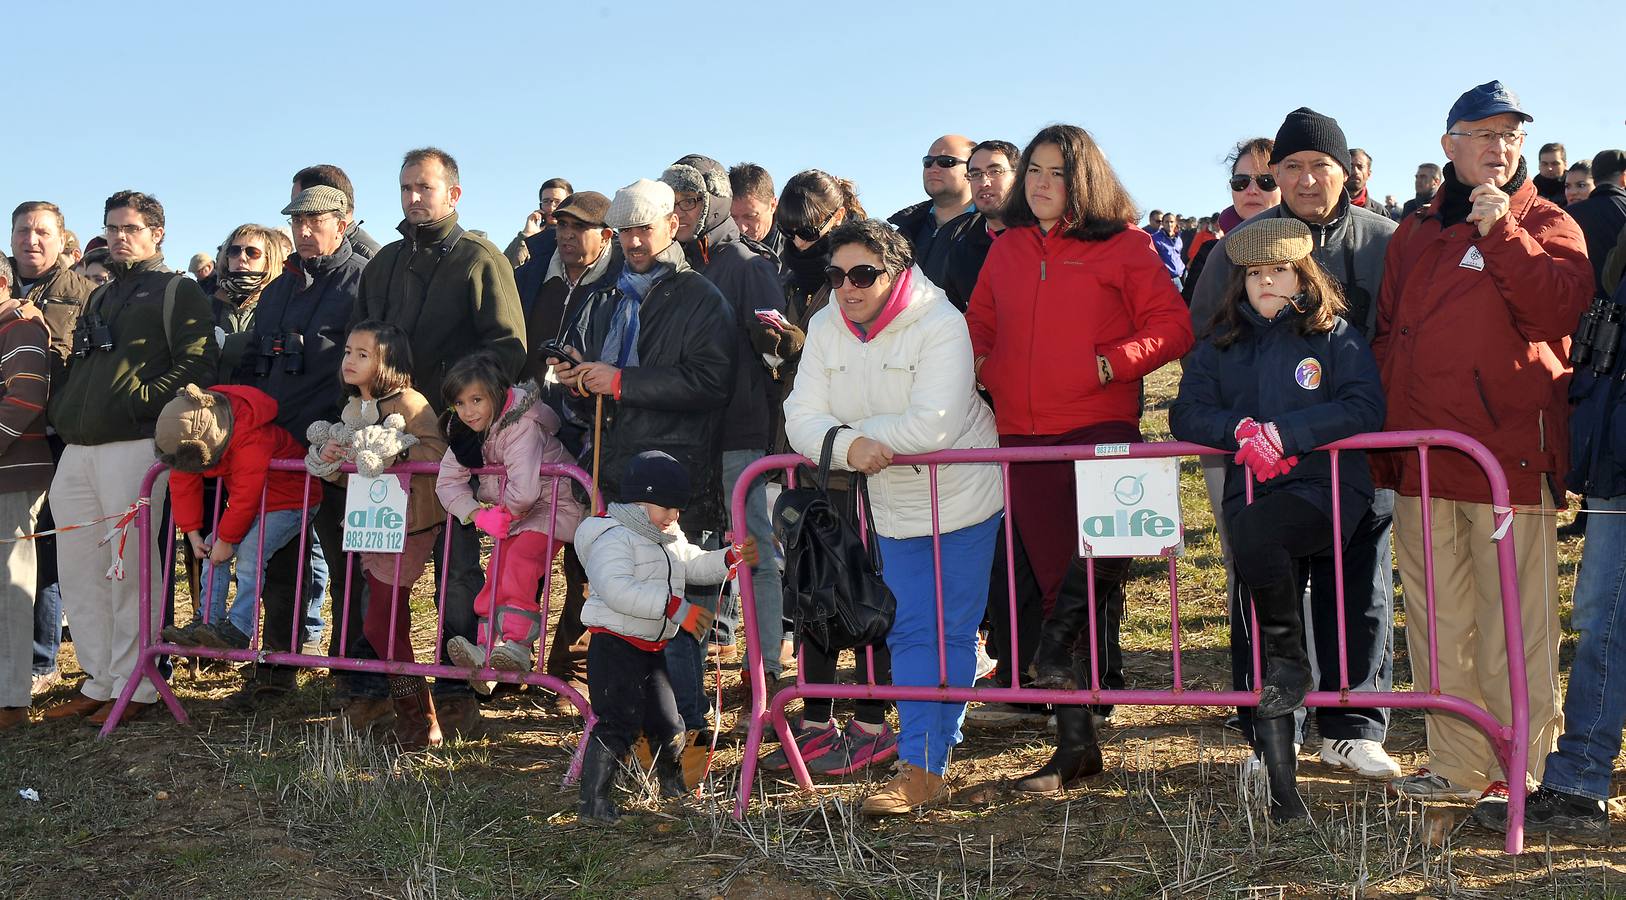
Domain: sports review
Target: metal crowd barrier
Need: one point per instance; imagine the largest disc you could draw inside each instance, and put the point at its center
(153, 647)
(1510, 740)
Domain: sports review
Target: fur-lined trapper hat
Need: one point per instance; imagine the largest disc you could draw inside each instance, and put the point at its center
(193, 429)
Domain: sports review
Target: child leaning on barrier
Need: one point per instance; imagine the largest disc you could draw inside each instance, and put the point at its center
(385, 421)
(229, 432)
(1281, 375)
(489, 422)
(638, 564)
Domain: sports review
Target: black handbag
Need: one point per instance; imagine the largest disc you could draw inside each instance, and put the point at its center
(833, 587)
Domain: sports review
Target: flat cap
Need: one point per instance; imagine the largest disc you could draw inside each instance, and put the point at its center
(639, 203)
(1269, 241)
(318, 199)
(586, 207)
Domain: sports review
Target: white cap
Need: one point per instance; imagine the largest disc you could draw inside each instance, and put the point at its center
(639, 203)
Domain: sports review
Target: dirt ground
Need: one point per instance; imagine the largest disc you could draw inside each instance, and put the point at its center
(277, 804)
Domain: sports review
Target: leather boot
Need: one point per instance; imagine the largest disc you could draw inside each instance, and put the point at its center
(1078, 753)
(669, 767)
(1275, 739)
(598, 772)
(415, 725)
(1287, 666)
(1064, 630)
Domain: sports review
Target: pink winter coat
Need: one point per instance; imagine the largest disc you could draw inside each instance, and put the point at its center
(521, 441)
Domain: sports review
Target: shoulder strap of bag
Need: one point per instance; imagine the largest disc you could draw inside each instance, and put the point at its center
(825, 454)
(169, 309)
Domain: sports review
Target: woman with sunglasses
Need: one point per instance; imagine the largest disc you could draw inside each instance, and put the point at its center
(1072, 309)
(1253, 190)
(889, 365)
(251, 257)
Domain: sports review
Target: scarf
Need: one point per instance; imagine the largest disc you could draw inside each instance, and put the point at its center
(807, 266)
(633, 517)
(621, 340)
(465, 443)
(1454, 203)
(239, 286)
(895, 304)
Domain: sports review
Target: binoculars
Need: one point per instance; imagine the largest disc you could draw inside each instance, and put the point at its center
(1597, 338)
(289, 346)
(91, 334)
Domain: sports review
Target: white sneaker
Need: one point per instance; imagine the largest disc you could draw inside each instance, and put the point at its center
(511, 656)
(466, 653)
(1363, 756)
(985, 664)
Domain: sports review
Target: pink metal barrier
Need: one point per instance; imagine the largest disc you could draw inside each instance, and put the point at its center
(153, 647)
(1509, 740)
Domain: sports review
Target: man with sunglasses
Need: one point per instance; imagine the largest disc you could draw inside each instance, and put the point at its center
(1311, 164)
(935, 226)
(1479, 294)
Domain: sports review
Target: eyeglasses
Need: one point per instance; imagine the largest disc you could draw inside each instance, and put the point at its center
(992, 173)
(688, 205)
(1267, 183)
(1486, 136)
(861, 276)
(942, 162)
(806, 232)
(113, 231)
(247, 252)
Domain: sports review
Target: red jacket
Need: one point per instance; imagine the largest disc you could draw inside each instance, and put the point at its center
(1473, 336)
(244, 469)
(1045, 307)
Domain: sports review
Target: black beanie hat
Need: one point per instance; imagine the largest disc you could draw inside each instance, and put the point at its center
(655, 477)
(1306, 129)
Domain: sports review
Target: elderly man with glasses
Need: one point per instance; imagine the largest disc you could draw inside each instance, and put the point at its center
(935, 226)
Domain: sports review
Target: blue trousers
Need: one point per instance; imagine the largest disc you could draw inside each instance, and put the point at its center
(280, 527)
(928, 731)
(1595, 708)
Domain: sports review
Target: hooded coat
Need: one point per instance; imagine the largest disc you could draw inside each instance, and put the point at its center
(632, 579)
(520, 442)
(245, 469)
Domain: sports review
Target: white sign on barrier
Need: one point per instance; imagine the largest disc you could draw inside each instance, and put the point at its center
(1129, 507)
(374, 515)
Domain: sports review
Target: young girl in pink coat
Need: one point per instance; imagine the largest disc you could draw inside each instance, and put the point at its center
(493, 423)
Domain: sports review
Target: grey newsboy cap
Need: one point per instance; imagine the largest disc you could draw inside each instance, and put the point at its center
(318, 199)
(639, 203)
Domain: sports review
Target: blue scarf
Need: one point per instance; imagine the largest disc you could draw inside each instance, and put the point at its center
(621, 340)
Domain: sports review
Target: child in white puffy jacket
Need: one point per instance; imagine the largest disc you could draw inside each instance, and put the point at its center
(638, 564)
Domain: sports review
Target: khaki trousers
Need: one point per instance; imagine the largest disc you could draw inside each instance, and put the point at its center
(92, 482)
(18, 512)
(1469, 632)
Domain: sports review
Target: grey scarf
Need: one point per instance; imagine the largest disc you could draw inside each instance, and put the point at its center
(634, 517)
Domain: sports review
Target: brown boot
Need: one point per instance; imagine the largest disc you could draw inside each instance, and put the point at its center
(360, 714)
(909, 790)
(415, 725)
(696, 755)
(460, 717)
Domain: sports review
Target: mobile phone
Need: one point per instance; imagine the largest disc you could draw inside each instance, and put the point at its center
(556, 349)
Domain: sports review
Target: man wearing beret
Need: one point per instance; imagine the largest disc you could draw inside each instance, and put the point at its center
(1481, 290)
(1312, 163)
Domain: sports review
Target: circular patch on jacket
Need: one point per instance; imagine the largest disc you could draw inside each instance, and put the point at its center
(1308, 373)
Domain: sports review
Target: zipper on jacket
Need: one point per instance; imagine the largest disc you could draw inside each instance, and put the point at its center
(1479, 386)
(1041, 270)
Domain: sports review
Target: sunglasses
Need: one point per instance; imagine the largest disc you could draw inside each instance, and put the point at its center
(806, 232)
(861, 276)
(247, 252)
(1267, 183)
(942, 162)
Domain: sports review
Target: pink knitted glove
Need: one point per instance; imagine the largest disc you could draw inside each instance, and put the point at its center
(494, 520)
(1261, 450)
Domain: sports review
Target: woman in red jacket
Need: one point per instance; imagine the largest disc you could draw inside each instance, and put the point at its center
(1072, 309)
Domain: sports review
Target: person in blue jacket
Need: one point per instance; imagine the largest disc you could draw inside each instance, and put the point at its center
(1280, 375)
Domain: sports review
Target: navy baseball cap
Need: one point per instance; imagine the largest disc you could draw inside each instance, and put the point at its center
(1489, 99)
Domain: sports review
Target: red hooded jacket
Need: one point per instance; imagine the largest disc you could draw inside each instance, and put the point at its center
(245, 469)
(1046, 306)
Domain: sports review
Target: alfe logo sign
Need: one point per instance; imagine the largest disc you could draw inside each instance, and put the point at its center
(374, 515)
(1129, 507)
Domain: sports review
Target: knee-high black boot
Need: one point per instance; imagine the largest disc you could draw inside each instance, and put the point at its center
(1078, 753)
(598, 772)
(1275, 739)
(1287, 666)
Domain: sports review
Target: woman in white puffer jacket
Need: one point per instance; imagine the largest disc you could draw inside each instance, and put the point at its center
(890, 358)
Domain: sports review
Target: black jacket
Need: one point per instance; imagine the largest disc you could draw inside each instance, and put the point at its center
(965, 264)
(314, 298)
(1601, 217)
(529, 276)
(1549, 189)
(674, 399)
(932, 253)
(749, 281)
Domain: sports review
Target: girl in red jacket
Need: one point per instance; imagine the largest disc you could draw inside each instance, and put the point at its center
(229, 432)
(1072, 309)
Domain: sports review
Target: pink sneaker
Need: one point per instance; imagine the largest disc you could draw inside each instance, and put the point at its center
(857, 749)
(814, 741)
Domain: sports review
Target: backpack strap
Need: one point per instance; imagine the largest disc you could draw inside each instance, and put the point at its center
(169, 308)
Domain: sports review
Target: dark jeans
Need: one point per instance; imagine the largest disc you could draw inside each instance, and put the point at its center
(819, 667)
(1369, 614)
(631, 694)
(685, 656)
(47, 598)
(563, 662)
(462, 577)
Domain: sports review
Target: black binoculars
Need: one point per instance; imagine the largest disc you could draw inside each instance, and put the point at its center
(92, 334)
(1597, 338)
(289, 346)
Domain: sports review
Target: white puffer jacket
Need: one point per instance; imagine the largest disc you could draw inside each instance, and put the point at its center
(631, 577)
(912, 388)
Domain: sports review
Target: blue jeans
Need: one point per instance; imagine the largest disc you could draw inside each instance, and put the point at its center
(685, 656)
(279, 528)
(47, 627)
(928, 730)
(770, 593)
(1594, 709)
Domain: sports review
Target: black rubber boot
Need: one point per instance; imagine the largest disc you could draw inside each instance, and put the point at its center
(1275, 740)
(1078, 753)
(598, 772)
(1287, 667)
(669, 766)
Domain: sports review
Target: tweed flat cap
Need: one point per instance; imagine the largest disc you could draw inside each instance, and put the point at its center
(1269, 241)
(318, 199)
(639, 203)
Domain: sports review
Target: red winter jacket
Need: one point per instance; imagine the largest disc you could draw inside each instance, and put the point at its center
(244, 469)
(1473, 336)
(1046, 306)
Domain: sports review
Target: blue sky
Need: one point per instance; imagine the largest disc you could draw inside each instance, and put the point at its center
(213, 107)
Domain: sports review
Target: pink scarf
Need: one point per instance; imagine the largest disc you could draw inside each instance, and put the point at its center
(895, 304)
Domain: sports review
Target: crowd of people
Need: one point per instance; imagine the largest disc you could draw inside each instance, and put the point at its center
(672, 333)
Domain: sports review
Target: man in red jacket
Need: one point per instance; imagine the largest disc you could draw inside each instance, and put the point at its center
(1481, 290)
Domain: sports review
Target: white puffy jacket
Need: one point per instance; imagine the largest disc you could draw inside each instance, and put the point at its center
(631, 577)
(912, 388)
